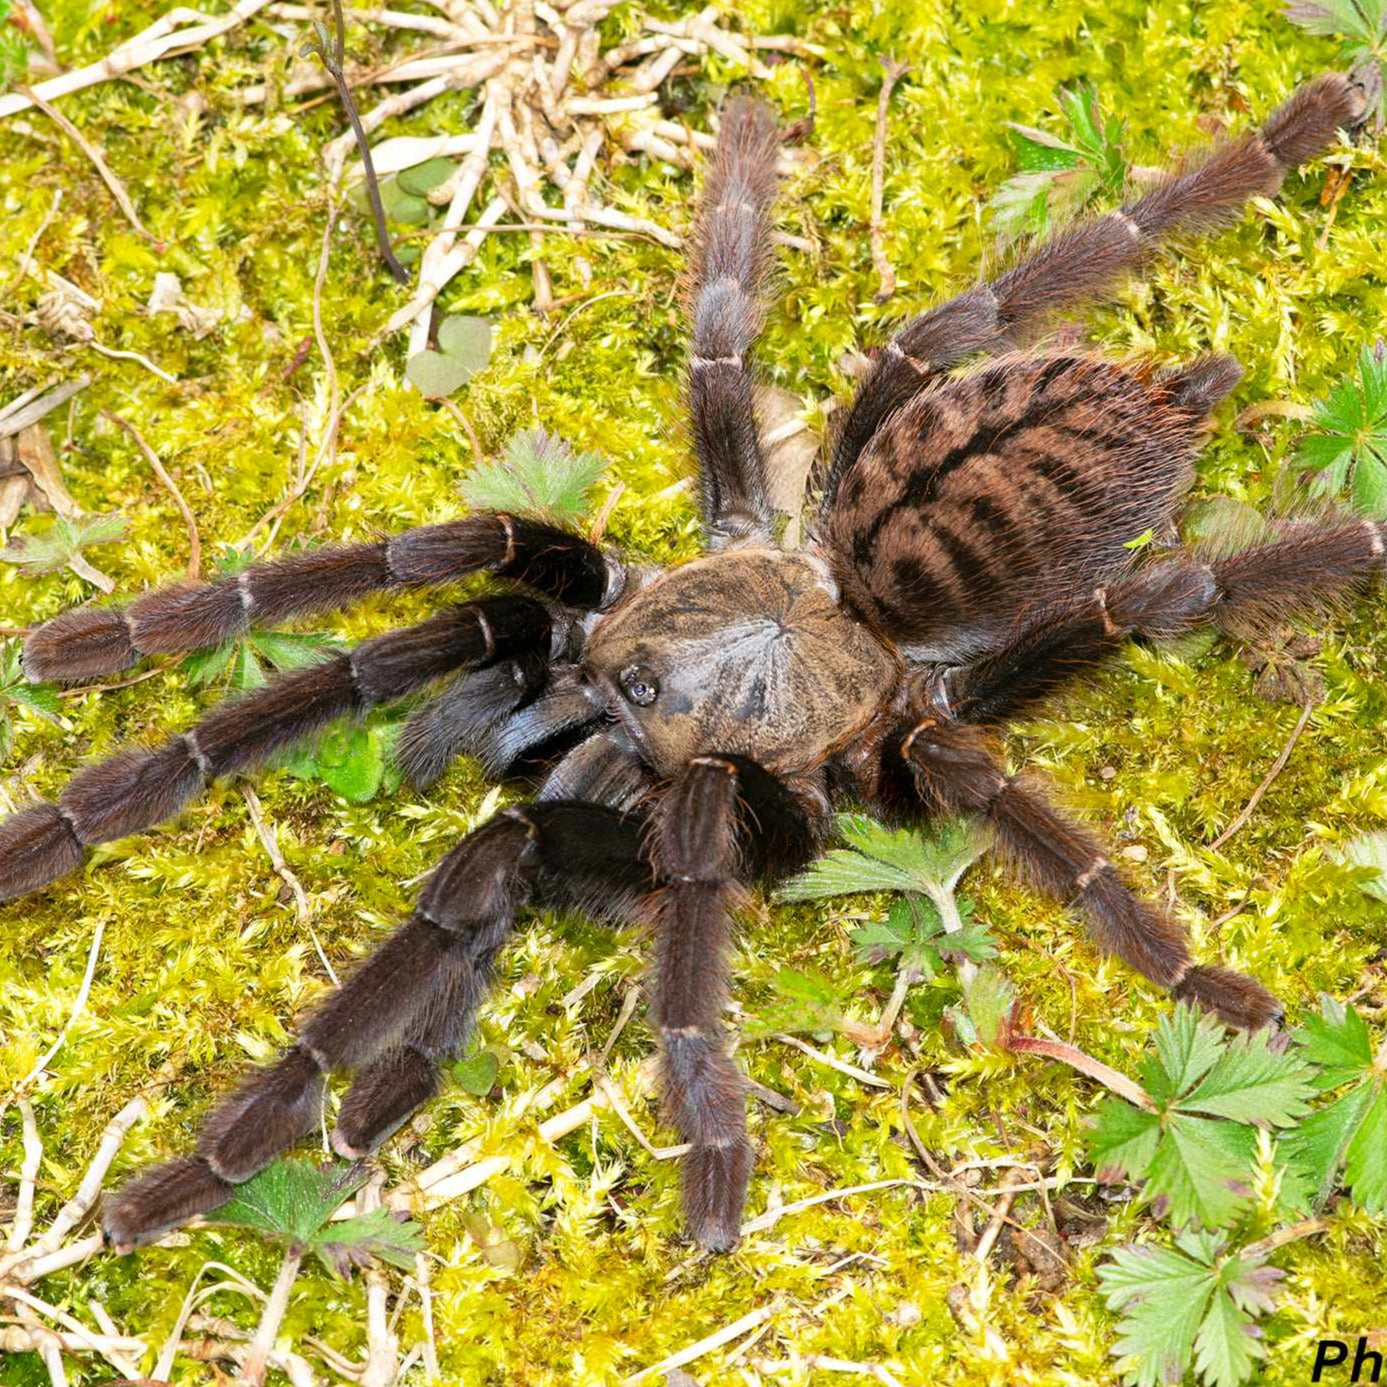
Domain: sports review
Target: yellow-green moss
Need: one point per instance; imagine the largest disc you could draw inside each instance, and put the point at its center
(204, 965)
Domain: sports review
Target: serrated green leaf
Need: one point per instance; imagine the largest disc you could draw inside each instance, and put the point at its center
(1337, 1041)
(1123, 1140)
(1225, 1348)
(378, 1235)
(539, 474)
(1365, 1163)
(291, 1199)
(1188, 1042)
(207, 666)
(1311, 1154)
(1164, 1295)
(286, 650)
(1251, 1082)
(1352, 444)
(990, 998)
(46, 551)
(1200, 1170)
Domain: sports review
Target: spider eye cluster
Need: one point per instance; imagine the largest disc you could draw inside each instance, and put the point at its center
(639, 685)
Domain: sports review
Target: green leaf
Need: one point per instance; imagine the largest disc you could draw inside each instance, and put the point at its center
(1311, 1154)
(1251, 1082)
(989, 999)
(1200, 1171)
(291, 1199)
(436, 375)
(466, 339)
(423, 178)
(37, 698)
(379, 1235)
(351, 761)
(1188, 1306)
(207, 666)
(1164, 1294)
(477, 1073)
(1337, 1041)
(539, 474)
(286, 650)
(49, 550)
(1225, 1349)
(1353, 443)
(1365, 1166)
(878, 858)
(1188, 1042)
(1123, 1142)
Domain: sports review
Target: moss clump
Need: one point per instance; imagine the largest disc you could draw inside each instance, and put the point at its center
(204, 962)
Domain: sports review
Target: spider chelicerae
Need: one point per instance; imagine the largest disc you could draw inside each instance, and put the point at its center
(694, 726)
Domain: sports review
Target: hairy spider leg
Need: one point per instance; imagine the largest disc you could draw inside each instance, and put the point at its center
(731, 256)
(410, 1004)
(949, 768)
(1086, 261)
(1308, 568)
(138, 787)
(90, 641)
(723, 820)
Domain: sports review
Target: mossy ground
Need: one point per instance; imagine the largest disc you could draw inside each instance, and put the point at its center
(204, 963)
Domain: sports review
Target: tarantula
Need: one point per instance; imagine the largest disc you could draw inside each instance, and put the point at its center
(695, 725)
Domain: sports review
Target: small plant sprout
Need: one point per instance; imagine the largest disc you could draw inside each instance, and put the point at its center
(62, 545)
(539, 474)
(1350, 1132)
(1351, 447)
(1193, 1304)
(15, 692)
(1061, 175)
(927, 927)
(292, 1202)
(1368, 852)
(1192, 1145)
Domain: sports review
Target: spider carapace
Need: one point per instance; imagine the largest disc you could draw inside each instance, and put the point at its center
(689, 731)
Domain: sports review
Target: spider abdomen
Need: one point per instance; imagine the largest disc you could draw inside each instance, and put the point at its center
(1002, 490)
(746, 651)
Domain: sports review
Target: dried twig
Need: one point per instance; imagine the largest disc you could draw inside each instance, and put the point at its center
(257, 1359)
(179, 31)
(169, 485)
(102, 167)
(833, 1062)
(892, 72)
(748, 1322)
(83, 992)
(1277, 767)
(23, 1222)
(332, 58)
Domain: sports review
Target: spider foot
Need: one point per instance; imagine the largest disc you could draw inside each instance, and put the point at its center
(715, 1180)
(269, 1113)
(381, 1099)
(160, 1199)
(1235, 999)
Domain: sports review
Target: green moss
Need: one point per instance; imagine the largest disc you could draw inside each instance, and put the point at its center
(204, 964)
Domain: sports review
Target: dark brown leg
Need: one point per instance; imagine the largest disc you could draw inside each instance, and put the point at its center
(138, 788)
(731, 245)
(410, 1004)
(1085, 262)
(954, 772)
(90, 641)
(698, 865)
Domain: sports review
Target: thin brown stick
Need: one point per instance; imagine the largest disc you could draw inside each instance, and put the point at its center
(892, 72)
(169, 485)
(102, 167)
(1306, 1228)
(333, 62)
(27, 257)
(1075, 1058)
(1277, 767)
